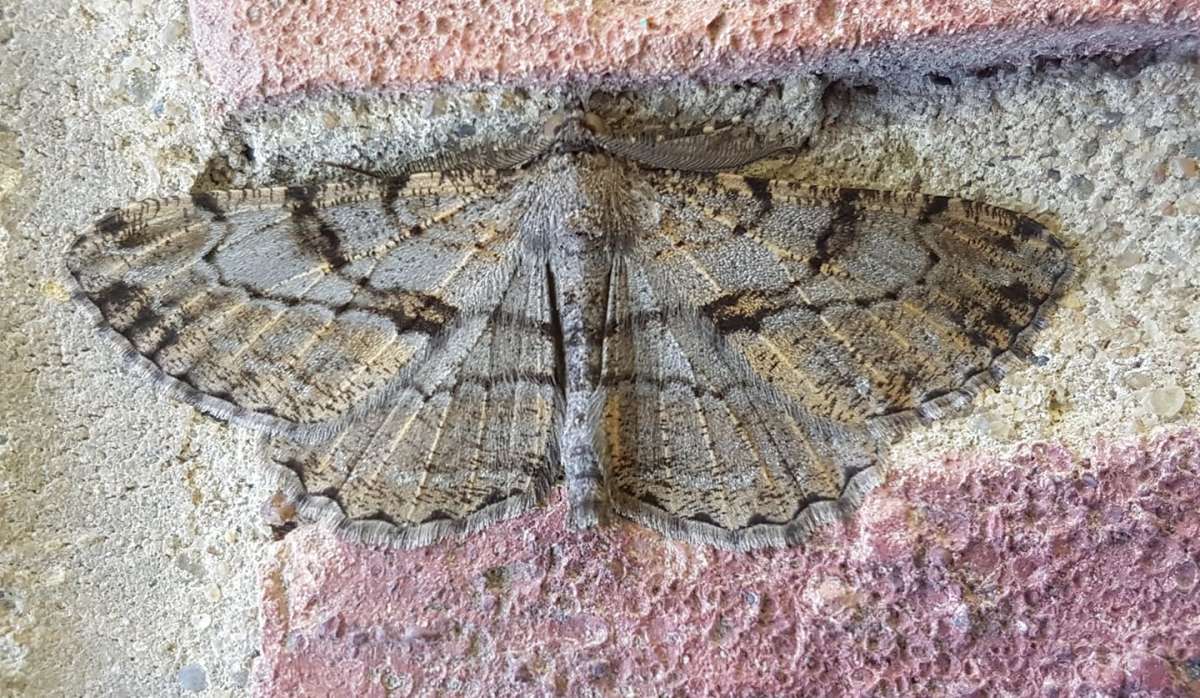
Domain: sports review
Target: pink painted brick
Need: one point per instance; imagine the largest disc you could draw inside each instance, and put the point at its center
(1043, 575)
(253, 50)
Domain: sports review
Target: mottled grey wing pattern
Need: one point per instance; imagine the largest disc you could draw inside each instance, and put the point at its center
(466, 439)
(697, 445)
(285, 307)
(379, 324)
(721, 358)
(779, 333)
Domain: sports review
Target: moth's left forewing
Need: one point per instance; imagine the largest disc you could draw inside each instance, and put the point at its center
(287, 307)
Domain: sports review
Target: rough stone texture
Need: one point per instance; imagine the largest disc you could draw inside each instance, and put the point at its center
(1092, 145)
(251, 50)
(129, 534)
(1046, 574)
(129, 528)
(1097, 144)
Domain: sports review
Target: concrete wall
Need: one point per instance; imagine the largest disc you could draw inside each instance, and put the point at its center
(133, 557)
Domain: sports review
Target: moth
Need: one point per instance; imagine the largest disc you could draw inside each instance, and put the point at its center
(721, 358)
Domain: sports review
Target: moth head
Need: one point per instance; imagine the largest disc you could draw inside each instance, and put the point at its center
(574, 129)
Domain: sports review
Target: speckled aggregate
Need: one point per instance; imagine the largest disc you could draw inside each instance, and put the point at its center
(253, 51)
(130, 535)
(1043, 574)
(128, 531)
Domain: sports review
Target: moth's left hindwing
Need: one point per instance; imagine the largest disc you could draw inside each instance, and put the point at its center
(466, 439)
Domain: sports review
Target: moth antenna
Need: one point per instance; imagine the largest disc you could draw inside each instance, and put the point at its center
(353, 168)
